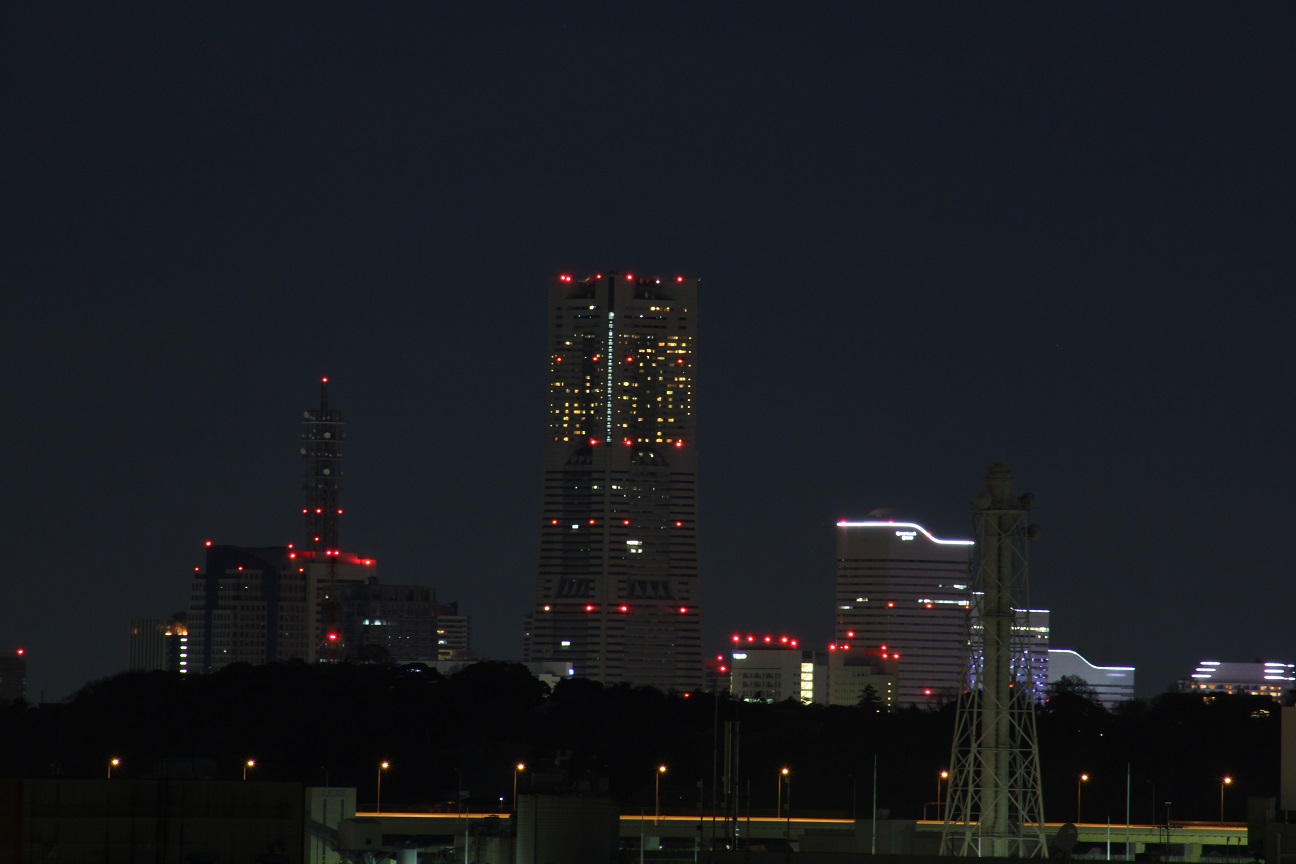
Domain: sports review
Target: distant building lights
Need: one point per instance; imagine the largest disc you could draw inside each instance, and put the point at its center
(845, 523)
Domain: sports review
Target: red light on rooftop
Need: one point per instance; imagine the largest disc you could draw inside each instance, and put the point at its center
(794, 643)
(683, 610)
(629, 277)
(324, 380)
(332, 637)
(22, 651)
(751, 638)
(679, 278)
(207, 543)
(565, 277)
(304, 510)
(832, 647)
(783, 639)
(737, 638)
(589, 607)
(625, 608)
(724, 668)
(319, 510)
(292, 554)
(768, 640)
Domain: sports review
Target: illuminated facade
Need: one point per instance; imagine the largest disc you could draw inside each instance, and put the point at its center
(905, 594)
(1211, 677)
(1111, 684)
(618, 597)
(772, 669)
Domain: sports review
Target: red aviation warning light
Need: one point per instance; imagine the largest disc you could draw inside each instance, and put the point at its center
(683, 610)
(624, 608)
(589, 607)
(566, 277)
(679, 278)
(332, 636)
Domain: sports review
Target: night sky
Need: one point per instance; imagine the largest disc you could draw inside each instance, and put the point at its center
(931, 237)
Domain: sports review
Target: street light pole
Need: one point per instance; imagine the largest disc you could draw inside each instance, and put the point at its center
(940, 778)
(1224, 781)
(112, 763)
(517, 769)
(661, 769)
(251, 763)
(778, 800)
(382, 766)
(1080, 781)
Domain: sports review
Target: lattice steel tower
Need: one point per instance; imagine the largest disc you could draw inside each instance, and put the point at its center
(996, 806)
(322, 439)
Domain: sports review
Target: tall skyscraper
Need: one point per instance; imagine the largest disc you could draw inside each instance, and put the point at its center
(902, 591)
(618, 596)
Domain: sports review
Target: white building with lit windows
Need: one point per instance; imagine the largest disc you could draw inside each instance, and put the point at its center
(1268, 678)
(773, 669)
(903, 592)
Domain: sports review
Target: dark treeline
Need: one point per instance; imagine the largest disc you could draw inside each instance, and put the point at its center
(335, 723)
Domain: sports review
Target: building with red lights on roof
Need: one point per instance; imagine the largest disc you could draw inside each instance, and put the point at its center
(618, 595)
(317, 602)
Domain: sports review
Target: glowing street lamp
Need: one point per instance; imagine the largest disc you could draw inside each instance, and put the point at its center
(661, 769)
(112, 763)
(1080, 781)
(778, 800)
(940, 778)
(382, 766)
(251, 763)
(517, 769)
(1224, 781)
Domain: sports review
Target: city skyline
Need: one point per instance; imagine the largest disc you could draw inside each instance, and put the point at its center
(932, 239)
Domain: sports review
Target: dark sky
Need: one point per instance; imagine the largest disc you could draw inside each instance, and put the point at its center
(931, 237)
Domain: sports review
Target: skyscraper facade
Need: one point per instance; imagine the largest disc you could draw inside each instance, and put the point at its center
(618, 596)
(904, 593)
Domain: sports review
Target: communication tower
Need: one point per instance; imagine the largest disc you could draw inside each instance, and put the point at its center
(996, 806)
(322, 437)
